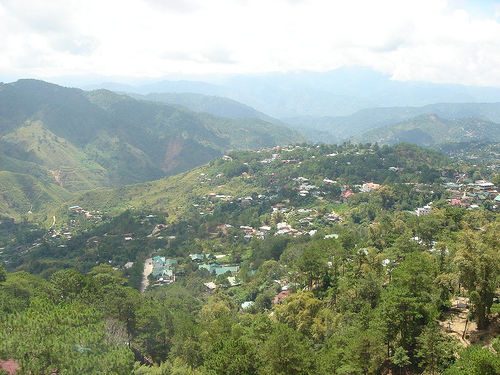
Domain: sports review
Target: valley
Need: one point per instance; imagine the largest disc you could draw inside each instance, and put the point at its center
(327, 250)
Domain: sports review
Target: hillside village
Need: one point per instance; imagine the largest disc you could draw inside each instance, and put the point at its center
(289, 206)
(294, 206)
(253, 224)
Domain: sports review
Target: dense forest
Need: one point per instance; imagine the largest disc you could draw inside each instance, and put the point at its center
(351, 259)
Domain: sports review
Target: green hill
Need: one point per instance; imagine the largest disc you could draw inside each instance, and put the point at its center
(175, 195)
(431, 130)
(214, 105)
(21, 194)
(341, 128)
(101, 139)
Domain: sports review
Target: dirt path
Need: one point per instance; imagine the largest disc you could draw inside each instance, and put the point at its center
(459, 327)
(148, 268)
(53, 220)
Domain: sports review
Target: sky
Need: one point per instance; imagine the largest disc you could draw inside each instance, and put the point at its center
(452, 41)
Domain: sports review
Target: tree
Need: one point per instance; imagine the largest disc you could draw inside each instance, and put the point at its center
(475, 360)
(302, 312)
(3, 273)
(312, 266)
(400, 358)
(406, 307)
(285, 353)
(67, 284)
(232, 356)
(435, 350)
(479, 269)
(67, 338)
(153, 329)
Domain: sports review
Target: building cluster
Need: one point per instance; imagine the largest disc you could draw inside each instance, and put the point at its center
(472, 195)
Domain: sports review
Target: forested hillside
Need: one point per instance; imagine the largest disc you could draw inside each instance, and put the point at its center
(214, 105)
(85, 140)
(431, 130)
(340, 128)
(350, 259)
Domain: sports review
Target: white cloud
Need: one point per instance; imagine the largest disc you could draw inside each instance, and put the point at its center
(435, 40)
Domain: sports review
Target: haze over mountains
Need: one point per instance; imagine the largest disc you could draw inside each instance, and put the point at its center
(341, 128)
(56, 140)
(338, 92)
(431, 130)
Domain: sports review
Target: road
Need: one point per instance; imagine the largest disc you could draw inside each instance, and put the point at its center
(148, 268)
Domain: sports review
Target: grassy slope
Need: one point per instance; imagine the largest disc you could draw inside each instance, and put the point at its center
(173, 195)
(21, 193)
(70, 167)
(176, 195)
(106, 139)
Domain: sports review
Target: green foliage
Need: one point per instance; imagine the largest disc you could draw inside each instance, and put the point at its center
(285, 352)
(475, 360)
(67, 338)
(478, 264)
(430, 130)
(3, 273)
(82, 140)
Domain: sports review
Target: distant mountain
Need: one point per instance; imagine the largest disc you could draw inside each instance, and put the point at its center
(214, 105)
(431, 130)
(182, 86)
(340, 128)
(339, 92)
(81, 140)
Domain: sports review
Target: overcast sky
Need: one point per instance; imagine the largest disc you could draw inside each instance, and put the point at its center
(431, 40)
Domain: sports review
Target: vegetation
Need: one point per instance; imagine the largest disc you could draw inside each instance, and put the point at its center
(85, 140)
(354, 284)
(430, 130)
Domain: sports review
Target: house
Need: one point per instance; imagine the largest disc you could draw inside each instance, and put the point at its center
(159, 260)
(423, 210)
(233, 281)
(369, 186)
(283, 226)
(281, 296)
(198, 258)
(346, 194)
(279, 208)
(483, 184)
(219, 269)
(210, 286)
(10, 366)
(128, 265)
(247, 304)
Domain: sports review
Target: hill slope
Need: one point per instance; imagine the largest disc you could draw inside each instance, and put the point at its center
(98, 138)
(338, 92)
(431, 130)
(214, 105)
(21, 194)
(340, 128)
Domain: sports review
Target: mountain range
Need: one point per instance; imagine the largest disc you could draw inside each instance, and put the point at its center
(56, 140)
(431, 131)
(339, 92)
(80, 140)
(341, 128)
